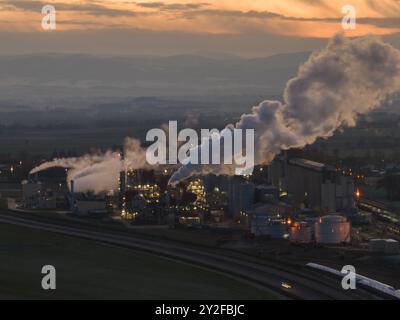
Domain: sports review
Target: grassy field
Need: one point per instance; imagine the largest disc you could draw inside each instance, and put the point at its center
(90, 270)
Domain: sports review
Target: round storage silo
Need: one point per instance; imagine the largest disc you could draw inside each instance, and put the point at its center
(300, 232)
(333, 229)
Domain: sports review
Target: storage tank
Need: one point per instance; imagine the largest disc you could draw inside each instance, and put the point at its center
(332, 229)
(300, 232)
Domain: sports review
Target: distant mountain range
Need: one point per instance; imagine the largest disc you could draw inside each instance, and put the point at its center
(40, 76)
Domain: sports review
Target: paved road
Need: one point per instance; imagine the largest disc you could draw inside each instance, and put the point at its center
(267, 275)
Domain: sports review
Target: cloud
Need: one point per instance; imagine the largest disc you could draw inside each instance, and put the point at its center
(381, 22)
(299, 18)
(171, 6)
(85, 7)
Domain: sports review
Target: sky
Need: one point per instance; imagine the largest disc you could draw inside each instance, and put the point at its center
(240, 27)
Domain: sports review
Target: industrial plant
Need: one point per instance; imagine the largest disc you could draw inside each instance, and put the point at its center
(166, 150)
(294, 200)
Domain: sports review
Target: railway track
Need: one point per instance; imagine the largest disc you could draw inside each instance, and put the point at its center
(268, 275)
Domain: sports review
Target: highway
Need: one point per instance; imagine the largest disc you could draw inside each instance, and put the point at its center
(264, 274)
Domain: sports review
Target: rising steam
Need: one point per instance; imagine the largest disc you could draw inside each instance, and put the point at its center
(99, 172)
(335, 85)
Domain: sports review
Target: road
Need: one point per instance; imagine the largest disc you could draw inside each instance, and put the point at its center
(267, 275)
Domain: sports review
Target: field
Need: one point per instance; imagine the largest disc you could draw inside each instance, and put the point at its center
(81, 140)
(91, 270)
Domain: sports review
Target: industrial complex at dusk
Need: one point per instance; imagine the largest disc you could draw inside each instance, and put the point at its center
(188, 153)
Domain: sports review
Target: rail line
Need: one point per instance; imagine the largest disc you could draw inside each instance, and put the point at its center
(268, 275)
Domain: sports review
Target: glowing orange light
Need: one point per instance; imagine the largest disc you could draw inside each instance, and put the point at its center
(358, 193)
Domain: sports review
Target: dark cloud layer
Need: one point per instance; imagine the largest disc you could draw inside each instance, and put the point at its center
(90, 8)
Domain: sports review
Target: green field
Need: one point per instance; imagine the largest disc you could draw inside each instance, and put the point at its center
(91, 270)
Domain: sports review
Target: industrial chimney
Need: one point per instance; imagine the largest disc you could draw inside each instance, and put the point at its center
(122, 182)
(71, 196)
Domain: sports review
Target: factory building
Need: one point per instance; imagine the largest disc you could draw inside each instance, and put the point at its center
(241, 196)
(39, 195)
(31, 191)
(313, 185)
(85, 204)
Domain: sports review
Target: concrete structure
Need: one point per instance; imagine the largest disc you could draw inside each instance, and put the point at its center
(332, 229)
(312, 185)
(241, 196)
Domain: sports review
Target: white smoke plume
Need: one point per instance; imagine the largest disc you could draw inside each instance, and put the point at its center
(335, 85)
(99, 172)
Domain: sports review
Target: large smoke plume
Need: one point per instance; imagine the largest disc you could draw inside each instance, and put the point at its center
(335, 85)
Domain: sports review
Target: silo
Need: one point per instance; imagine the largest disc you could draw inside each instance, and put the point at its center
(332, 229)
(300, 232)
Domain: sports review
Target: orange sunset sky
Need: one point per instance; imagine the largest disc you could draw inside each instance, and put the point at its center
(298, 19)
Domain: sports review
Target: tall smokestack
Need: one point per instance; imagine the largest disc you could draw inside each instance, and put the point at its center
(122, 181)
(71, 197)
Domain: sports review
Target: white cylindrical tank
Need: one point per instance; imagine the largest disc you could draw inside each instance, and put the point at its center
(300, 232)
(332, 229)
